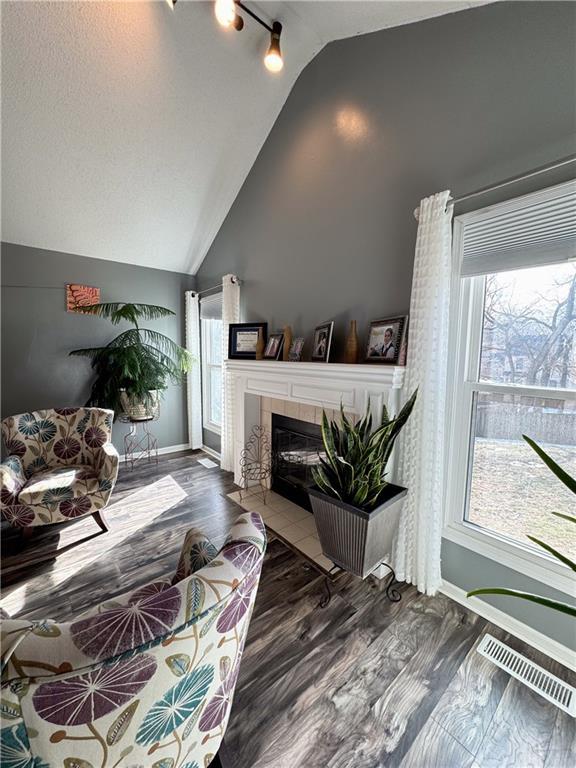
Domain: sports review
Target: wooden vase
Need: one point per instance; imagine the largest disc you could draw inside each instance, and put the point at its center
(260, 345)
(352, 349)
(287, 342)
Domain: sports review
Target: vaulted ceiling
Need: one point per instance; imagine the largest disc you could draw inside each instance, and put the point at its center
(128, 129)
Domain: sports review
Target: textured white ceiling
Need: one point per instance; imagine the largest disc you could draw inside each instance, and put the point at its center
(128, 129)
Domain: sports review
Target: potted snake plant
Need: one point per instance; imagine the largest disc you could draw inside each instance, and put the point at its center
(356, 509)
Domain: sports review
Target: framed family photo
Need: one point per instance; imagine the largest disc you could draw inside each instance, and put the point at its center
(274, 346)
(295, 353)
(322, 342)
(386, 340)
(243, 338)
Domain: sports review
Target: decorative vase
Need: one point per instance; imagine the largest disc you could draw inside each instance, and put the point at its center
(352, 344)
(287, 343)
(260, 345)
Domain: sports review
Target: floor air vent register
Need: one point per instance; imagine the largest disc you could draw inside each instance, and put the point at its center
(549, 686)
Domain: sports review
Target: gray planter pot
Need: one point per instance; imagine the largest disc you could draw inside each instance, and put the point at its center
(356, 540)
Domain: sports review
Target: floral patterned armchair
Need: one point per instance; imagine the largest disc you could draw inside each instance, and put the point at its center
(60, 465)
(144, 680)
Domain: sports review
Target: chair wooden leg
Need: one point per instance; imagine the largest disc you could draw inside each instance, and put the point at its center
(101, 522)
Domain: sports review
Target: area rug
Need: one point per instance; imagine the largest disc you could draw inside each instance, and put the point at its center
(292, 524)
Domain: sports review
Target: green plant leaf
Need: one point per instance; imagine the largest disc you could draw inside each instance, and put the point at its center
(560, 473)
(556, 605)
(570, 518)
(117, 311)
(554, 552)
(354, 467)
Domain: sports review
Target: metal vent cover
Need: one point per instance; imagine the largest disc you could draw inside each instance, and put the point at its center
(547, 685)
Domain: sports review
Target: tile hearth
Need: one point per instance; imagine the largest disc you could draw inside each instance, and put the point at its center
(291, 523)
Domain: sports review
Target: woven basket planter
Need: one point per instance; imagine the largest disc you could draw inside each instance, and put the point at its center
(356, 540)
(135, 409)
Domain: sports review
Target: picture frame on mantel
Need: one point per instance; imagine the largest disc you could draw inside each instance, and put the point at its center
(296, 349)
(387, 341)
(274, 346)
(243, 340)
(322, 342)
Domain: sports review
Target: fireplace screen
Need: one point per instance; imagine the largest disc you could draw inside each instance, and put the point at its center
(296, 447)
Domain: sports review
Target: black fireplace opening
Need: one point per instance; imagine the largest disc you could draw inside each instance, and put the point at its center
(296, 447)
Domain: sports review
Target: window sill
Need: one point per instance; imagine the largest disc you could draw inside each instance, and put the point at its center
(212, 428)
(522, 559)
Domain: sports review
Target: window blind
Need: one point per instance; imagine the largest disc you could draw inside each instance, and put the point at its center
(211, 307)
(528, 231)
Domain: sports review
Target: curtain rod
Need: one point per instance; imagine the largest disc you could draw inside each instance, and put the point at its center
(512, 180)
(236, 281)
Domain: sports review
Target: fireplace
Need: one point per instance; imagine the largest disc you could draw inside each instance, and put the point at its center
(295, 449)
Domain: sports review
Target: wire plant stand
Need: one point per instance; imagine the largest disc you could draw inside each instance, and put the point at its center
(255, 462)
(140, 443)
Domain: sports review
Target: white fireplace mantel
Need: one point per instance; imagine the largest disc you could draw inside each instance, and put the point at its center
(325, 385)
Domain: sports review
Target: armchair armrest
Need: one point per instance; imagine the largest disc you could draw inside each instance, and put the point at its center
(12, 478)
(106, 464)
(197, 551)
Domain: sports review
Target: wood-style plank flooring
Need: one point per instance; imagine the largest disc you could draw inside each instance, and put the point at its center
(362, 683)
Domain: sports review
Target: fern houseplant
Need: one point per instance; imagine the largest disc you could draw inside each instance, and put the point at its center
(135, 367)
(356, 509)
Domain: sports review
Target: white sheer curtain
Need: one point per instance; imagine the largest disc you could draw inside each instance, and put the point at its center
(421, 460)
(230, 314)
(194, 375)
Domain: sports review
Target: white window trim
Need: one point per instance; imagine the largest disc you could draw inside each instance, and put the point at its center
(466, 308)
(206, 390)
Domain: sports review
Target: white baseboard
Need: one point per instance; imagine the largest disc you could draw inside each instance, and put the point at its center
(211, 452)
(546, 645)
(166, 449)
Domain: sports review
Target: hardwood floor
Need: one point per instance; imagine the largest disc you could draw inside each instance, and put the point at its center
(362, 683)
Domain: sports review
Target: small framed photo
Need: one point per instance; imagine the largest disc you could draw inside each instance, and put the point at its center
(322, 342)
(295, 353)
(274, 346)
(243, 338)
(386, 340)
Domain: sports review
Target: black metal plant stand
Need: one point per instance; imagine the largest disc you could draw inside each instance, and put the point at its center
(393, 594)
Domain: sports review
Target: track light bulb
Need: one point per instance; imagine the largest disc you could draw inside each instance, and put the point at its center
(273, 59)
(225, 12)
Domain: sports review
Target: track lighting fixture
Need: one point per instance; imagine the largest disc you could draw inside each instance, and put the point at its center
(226, 12)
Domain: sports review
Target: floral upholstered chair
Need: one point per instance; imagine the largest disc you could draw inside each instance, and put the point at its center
(144, 680)
(60, 465)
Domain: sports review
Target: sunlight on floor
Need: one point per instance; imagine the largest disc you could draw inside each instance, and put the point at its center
(125, 518)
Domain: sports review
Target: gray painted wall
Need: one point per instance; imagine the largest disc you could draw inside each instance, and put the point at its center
(38, 333)
(323, 226)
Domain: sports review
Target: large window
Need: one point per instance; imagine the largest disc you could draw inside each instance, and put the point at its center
(514, 374)
(211, 328)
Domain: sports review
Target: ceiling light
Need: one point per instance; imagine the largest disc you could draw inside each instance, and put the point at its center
(273, 59)
(225, 12)
(171, 3)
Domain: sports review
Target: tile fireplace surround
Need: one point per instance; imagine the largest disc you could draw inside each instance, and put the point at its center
(257, 388)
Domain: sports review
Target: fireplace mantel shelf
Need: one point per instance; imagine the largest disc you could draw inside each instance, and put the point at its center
(381, 375)
(325, 385)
